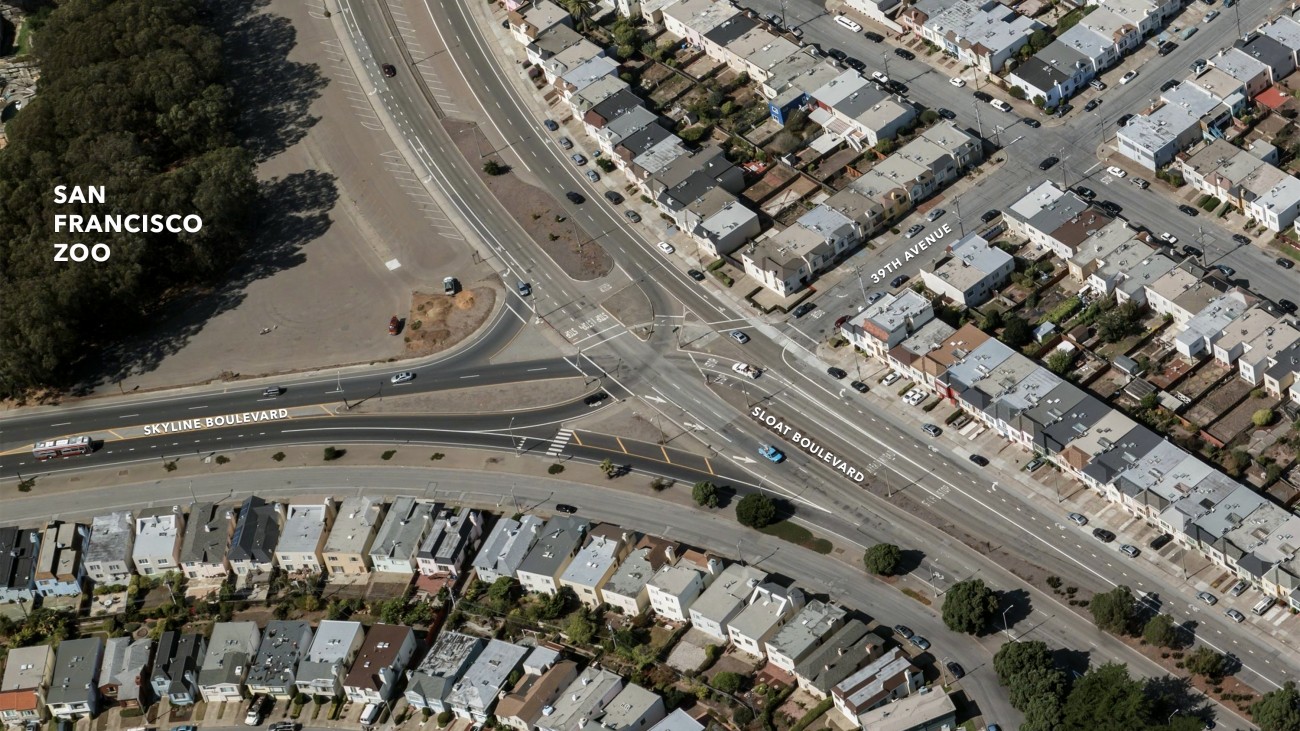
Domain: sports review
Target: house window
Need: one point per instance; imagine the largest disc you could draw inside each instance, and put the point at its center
(144, 560)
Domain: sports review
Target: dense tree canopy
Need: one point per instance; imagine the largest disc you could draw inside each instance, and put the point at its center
(1278, 710)
(969, 606)
(131, 99)
(1114, 610)
(756, 510)
(883, 559)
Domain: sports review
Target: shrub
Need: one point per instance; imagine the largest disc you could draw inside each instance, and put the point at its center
(1263, 417)
(755, 511)
(333, 453)
(705, 494)
(728, 682)
(444, 718)
(555, 469)
(436, 456)
(222, 459)
(387, 455)
(714, 265)
(169, 466)
(742, 716)
(492, 167)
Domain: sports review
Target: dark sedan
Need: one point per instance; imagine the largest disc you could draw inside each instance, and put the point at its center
(1091, 105)
(854, 64)
(904, 54)
(1048, 163)
(1188, 210)
(566, 508)
(695, 274)
(990, 215)
(575, 197)
(873, 36)
(389, 70)
(837, 54)
(837, 373)
(803, 309)
(1084, 192)
(1034, 123)
(1103, 535)
(1112, 209)
(1160, 541)
(1285, 263)
(958, 672)
(983, 96)
(860, 387)
(946, 113)
(1243, 240)
(1123, 120)
(1286, 306)
(980, 460)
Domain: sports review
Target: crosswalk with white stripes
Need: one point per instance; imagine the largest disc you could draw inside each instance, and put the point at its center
(559, 442)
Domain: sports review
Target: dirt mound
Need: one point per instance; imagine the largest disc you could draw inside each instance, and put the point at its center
(438, 322)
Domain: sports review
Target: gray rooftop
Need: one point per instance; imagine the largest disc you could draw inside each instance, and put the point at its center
(448, 659)
(508, 544)
(354, 527)
(581, 699)
(678, 720)
(257, 531)
(558, 540)
(207, 534)
(230, 647)
(110, 538)
(25, 668)
(806, 629)
(329, 650)
(123, 664)
(842, 654)
(76, 668)
(284, 643)
(732, 589)
(399, 536)
(304, 523)
(623, 712)
(478, 686)
(451, 531)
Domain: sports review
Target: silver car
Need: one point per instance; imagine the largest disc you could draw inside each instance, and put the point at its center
(1077, 519)
(402, 377)
(565, 142)
(593, 176)
(1208, 598)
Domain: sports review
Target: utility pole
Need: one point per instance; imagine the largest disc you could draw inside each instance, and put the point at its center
(783, 25)
(512, 436)
(961, 229)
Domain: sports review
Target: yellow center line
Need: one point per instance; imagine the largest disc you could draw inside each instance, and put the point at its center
(709, 466)
(666, 457)
(576, 439)
(620, 445)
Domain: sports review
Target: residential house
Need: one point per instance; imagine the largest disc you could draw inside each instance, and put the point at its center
(675, 588)
(1057, 219)
(332, 650)
(74, 686)
(1184, 115)
(1285, 31)
(58, 564)
(720, 223)
(725, 599)
(972, 272)
(984, 34)
(124, 670)
(231, 647)
(790, 81)
(582, 701)
(804, 634)
(252, 546)
(849, 648)
(274, 672)
(530, 21)
(27, 676)
(450, 542)
(384, 655)
(473, 696)
(399, 537)
(786, 261)
(206, 543)
(932, 711)
(858, 112)
(157, 548)
(307, 522)
(175, 674)
(633, 709)
(770, 605)
(678, 720)
(534, 695)
(107, 559)
(693, 20)
(887, 678)
(19, 551)
(505, 547)
(550, 556)
(452, 654)
(626, 589)
(593, 566)
(753, 51)
(347, 549)
(880, 327)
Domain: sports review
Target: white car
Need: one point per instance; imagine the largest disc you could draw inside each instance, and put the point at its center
(1211, 15)
(746, 369)
(402, 377)
(878, 76)
(1128, 77)
(665, 247)
(959, 83)
(848, 23)
(1117, 172)
(1168, 238)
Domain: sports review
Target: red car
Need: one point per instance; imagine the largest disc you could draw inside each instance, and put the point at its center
(393, 325)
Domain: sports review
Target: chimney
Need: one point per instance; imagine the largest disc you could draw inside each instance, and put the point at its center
(671, 554)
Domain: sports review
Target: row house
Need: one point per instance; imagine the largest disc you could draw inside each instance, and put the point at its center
(74, 685)
(1057, 219)
(786, 261)
(1263, 192)
(428, 686)
(157, 546)
(252, 545)
(887, 678)
(347, 549)
(505, 547)
(791, 81)
(858, 112)
(529, 22)
(1285, 32)
(535, 695)
(633, 709)
(556, 546)
(379, 665)
(401, 534)
(888, 322)
(627, 588)
(274, 670)
(596, 562)
(332, 651)
(107, 560)
(1280, 376)
(307, 522)
(124, 671)
(725, 599)
(231, 648)
(693, 20)
(675, 587)
(982, 34)
(971, 273)
(206, 544)
(804, 633)
(58, 564)
(849, 648)
(770, 607)
(1185, 114)
(474, 695)
(27, 677)
(451, 541)
(19, 551)
(175, 674)
(582, 700)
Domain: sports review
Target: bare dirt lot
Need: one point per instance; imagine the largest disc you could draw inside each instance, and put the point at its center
(438, 322)
(535, 211)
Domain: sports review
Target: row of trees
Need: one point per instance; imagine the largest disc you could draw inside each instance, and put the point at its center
(132, 99)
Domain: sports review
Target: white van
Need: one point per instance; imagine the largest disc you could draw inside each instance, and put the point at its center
(1000, 105)
(370, 714)
(1264, 605)
(849, 23)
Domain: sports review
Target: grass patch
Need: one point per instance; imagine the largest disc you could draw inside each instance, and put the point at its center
(917, 596)
(23, 40)
(798, 535)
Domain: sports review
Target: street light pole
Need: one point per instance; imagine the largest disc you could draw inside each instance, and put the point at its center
(1006, 629)
(512, 436)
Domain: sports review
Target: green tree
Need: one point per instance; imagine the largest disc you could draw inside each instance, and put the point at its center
(1263, 417)
(492, 167)
(756, 510)
(1160, 631)
(581, 10)
(579, 628)
(883, 559)
(1016, 92)
(929, 117)
(501, 594)
(728, 682)
(1206, 661)
(1120, 322)
(706, 494)
(1017, 332)
(1019, 659)
(1278, 710)
(969, 606)
(743, 716)
(1106, 697)
(992, 320)
(1059, 362)
(1114, 610)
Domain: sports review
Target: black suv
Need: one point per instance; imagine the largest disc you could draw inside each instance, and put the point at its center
(990, 215)
(837, 373)
(1030, 122)
(1048, 163)
(1189, 250)
(1169, 85)
(1160, 541)
(1103, 535)
(1111, 208)
(904, 53)
(613, 196)
(979, 460)
(873, 36)
(595, 398)
(1084, 192)
(1123, 120)
(837, 54)
(1243, 240)
(860, 387)
(575, 197)
(803, 309)
(854, 64)
(983, 96)
(565, 508)
(1188, 210)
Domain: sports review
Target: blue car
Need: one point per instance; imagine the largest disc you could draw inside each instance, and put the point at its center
(771, 453)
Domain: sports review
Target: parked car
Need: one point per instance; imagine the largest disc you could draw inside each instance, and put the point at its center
(836, 54)
(613, 196)
(1189, 250)
(898, 281)
(1123, 120)
(257, 710)
(1064, 109)
(803, 309)
(1117, 171)
(1128, 77)
(1239, 588)
(277, 726)
(890, 379)
(593, 176)
(1085, 192)
(874, 297)
(1097, 84)
(1000, 105)
(1166, 48)
(859, 386)
(1091, 105)
(665, 247)
(1129, 550)
(920, 642)
(402, 377)
(1199, 65)
(1211, 15)
(1241, 239)
(946, 113)
(1103, 535)
(695, 274)
(632, 216)
(575, 197)
(1169, 85)
(1110, 208)
(1170, 239)
(1188, 210)
(914, 230)
(878, 76)
(1286, 306)
(935, 215)
(904, 631)
(565, 143)
(1160, 541)
(1035, 464)
(957, 81)
(855, 64)
(1226, 270)
(390, 71)
(565, 508)
(771, 453)
(980, 460)
(1208, 598)
(873, 36)
(1284, 262)
(958, 672)
(838, 374)
(849, 23)
(578, 159)
(1031, 122)
(1235, 616)
(1048, 162)
(905, 54)
(1139, 182)
(1077, 519)
(990, 215)
(931, 429)
(272, 391)
(739, 337)
(983, 96)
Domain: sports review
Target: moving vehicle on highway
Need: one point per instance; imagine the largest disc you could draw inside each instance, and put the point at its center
(272, 391)
(389, 70)
(63, 447)
(565, 508)
(402, 377)
(771, 453)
